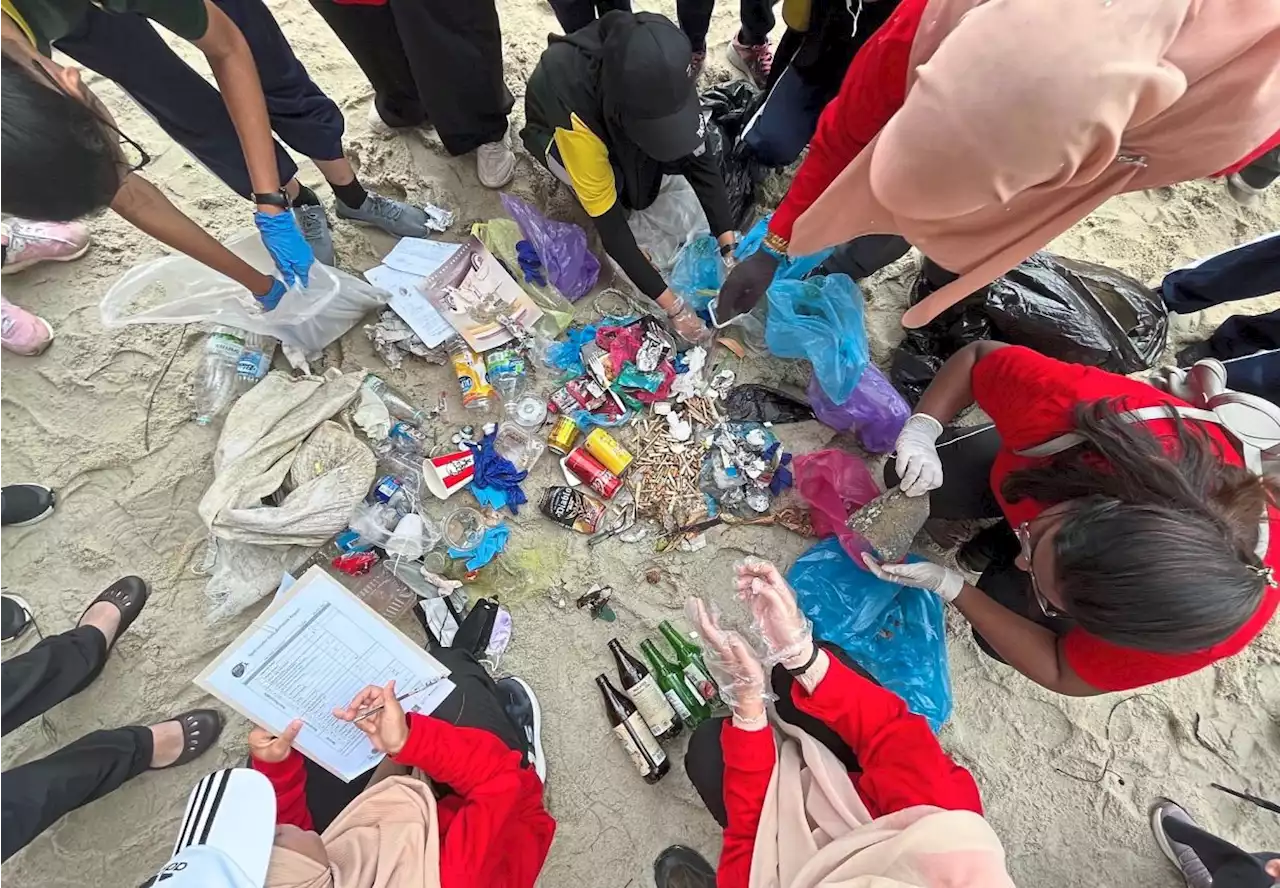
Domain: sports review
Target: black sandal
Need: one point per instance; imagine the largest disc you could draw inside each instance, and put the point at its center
(200, 730)
(129, 596)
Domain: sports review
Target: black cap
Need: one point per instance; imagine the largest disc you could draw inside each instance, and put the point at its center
(650, 78)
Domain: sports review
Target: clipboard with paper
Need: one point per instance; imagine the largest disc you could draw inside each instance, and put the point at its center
(311, 651)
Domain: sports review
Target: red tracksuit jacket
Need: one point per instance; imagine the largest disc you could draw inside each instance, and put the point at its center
(494, 829)
(902, 763)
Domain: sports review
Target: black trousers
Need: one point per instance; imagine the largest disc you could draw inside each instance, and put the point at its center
(1229, 866)
(1263, 171)
(474, 703)
(694, 16)
(430, 60)
(127, 49)
(35, 795)
(967, 455)
(704, 759)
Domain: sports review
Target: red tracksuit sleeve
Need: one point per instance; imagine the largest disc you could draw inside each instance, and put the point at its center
(874, 88)
(902, 763)
(749, 757)
(494, 790)
(289, 780)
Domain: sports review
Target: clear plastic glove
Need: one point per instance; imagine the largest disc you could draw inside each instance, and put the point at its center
(942, 581)
(918, 464)
(288, 248)
(733, 664)
(746, 284)
(688, 326)
(272, 297)
(786, 631)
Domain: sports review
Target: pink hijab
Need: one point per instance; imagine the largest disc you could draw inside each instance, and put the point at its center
(1023, 116)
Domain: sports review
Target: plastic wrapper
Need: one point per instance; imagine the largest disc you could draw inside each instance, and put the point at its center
(699, 271)
(896, 633)
(727, 107)
(567, 355)
(562, 247)
(666, 225)
(179, 290)
(821, 319)
(875, 411)
(835, 484)
(501, 237)
(759, 403)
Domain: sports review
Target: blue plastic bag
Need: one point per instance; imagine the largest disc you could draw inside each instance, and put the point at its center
(698, 272)
(894, 632)
(789, 268)
(821, 319)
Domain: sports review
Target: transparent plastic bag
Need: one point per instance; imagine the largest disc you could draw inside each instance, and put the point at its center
(821, 319)
(875, 411)
(699, 271)
(835, 484)
(664, 226)
(179, 290)
(562, 246)
(896, 633)
(501, 237)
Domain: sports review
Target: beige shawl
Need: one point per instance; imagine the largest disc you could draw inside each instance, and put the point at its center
(386, 838)
(815, 831)
(1023, 116)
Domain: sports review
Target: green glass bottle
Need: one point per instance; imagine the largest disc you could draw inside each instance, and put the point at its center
(687, 703)
(689, 659)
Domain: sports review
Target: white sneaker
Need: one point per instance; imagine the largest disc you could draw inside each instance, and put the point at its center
(377, 125)
(495, 164)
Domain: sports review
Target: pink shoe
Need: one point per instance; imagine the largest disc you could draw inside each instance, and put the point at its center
(23, 333)
(26, 242)
(754, 61)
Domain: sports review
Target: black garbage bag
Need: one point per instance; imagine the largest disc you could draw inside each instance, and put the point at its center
(760, 403)
(1068, 309)
(726, 107)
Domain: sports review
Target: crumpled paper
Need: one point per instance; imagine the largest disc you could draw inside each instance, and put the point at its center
(392, 339)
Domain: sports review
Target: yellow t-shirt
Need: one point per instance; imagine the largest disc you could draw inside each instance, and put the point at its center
(586, 159)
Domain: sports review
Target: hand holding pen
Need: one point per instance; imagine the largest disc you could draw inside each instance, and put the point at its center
(377, 712)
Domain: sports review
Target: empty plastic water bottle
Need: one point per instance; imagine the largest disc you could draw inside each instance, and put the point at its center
(255, 360)
(397, 404)
(216, 375)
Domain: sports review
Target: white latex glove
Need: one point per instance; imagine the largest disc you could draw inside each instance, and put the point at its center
(918, 465)
(787, 632)
(942, 581)
(733, 664)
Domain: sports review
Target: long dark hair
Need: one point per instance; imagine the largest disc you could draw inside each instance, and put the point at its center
(1157, 550)
(58, 159)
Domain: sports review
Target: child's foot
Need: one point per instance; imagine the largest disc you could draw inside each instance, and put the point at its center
(22, 332)
(27, 243)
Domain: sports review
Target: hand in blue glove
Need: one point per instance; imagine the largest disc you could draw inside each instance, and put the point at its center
(288, 248)
(272, 297)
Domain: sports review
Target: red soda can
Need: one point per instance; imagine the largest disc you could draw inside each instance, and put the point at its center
(592, 473)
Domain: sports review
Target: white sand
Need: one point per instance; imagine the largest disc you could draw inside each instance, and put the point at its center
(1066, 781)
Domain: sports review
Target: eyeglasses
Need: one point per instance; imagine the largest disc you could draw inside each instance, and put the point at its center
(132, 155)
(1023, 532)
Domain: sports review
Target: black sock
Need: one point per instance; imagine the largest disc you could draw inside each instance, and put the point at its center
(352, 194)
(306, 197)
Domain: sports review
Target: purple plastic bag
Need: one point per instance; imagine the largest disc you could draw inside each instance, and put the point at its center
(562, 247)
(875, 410)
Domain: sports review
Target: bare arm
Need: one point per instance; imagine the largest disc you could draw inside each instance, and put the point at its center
(142, 204)
(952, 390)
(237, 75)
(1028, 647)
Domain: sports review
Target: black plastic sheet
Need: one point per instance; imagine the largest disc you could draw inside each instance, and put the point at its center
(727, 106)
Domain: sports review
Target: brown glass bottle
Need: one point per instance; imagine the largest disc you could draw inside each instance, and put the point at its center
(634, 735)
(641, 686)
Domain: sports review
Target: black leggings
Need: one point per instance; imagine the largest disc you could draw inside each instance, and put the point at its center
(967, 455)
(704, 760)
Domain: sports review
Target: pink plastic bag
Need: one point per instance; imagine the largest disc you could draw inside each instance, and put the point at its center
(835, 484)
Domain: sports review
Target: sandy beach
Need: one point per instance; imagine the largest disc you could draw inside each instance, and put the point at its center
(105, 418)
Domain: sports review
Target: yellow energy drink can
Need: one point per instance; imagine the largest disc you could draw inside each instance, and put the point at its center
(605, 448)
(563, 434)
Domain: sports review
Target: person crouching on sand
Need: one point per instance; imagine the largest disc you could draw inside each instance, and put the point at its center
(845, 785)
(1137, 550)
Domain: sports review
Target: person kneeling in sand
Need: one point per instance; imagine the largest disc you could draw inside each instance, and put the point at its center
(843, 783)
(487, 827)
(1133, 548)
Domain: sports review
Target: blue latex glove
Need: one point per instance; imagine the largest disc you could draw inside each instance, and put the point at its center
(288, 248)
(272, 297)
(490, 497)
(494, 474)
(495, 540)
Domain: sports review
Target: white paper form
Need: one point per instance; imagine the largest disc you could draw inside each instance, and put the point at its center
(312, 651)
(419, 255)
(402, 273)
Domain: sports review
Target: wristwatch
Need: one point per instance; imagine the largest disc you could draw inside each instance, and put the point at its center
(273, 199)
(726, 250)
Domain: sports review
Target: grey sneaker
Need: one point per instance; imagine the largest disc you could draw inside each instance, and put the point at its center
(1182, 856)
(495, 164)
(315, 230)
(392, 216)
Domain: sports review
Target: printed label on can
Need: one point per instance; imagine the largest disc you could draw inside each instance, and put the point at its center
(651, 746)
(596, 476)
(653, 707)
(562, 436)
(572, 508)
(612, 455)
(678, 705)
